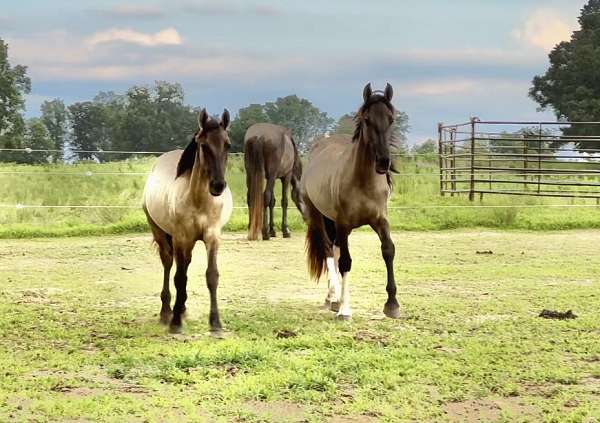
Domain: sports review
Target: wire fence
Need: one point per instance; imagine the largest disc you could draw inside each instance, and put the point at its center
(448, 175)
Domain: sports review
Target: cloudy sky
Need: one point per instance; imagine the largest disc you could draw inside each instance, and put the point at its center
(447, 60)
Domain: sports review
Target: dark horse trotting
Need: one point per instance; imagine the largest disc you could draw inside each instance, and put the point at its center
(346, 184)
(186, 199)
(270, 153)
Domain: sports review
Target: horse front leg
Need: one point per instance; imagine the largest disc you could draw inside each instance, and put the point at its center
(212, 282)
(269, 202)
(388, 250)
(183, 257)
(166, 256)
(285, 184)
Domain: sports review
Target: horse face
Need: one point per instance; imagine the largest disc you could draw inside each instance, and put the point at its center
(214, 144)
(378, 124)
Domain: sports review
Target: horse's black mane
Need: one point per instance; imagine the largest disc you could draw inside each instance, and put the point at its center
(188, 158)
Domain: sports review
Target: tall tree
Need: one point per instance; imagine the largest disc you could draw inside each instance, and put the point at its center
(304, 119)
(55, 117)
(570, 87)
(245, 118)
(400, 131)
(36, 137)
(90, 130)
(345, 125)
(14, 84)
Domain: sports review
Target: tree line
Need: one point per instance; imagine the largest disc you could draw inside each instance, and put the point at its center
(144, 118)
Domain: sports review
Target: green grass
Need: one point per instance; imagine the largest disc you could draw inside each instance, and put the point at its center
(41, 187)
(81, 339)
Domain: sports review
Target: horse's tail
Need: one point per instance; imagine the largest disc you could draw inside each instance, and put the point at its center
(316, 242)
(255, 176)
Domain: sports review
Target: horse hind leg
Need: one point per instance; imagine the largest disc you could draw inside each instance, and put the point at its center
(164, 243)
(345, 265)
(285, 184)
(268, 230)
(332, 301)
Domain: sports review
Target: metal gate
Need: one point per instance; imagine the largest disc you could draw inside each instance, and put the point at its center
(549, 159)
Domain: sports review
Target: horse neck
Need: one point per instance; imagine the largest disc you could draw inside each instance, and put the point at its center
(198, 181)
(363, 163)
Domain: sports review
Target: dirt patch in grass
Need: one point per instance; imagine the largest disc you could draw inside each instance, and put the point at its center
(277, 411)
(348, 419)
(488, 409)
(371, 337)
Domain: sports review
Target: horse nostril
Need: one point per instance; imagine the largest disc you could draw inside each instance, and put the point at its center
(383, 163)
(217, 187)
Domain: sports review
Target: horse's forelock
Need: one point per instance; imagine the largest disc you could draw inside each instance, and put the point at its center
(375, 98)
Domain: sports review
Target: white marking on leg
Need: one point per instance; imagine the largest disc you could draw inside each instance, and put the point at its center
(334, 284)
(336, 257)
(345, 310)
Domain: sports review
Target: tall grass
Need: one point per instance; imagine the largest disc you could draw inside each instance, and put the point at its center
(416, 191)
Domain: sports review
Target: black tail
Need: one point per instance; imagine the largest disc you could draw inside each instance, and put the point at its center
(255, 176)
(318, 244)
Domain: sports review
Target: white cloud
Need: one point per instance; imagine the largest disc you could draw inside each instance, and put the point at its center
(440, 88)
(131, 11)
(168, 36)
(544, 29)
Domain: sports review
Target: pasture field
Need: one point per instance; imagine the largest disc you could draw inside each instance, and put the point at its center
(416, 192)
(80, 339)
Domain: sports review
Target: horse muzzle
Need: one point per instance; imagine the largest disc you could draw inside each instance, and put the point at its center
(216, 188)
(382, 166)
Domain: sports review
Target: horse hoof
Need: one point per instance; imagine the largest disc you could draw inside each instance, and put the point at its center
(287, 235)
(334, 306)
(217, 333)
(272, 234)
(343, 317)
(165, 317)
(175, 329)
(392, 311)
(266, 237)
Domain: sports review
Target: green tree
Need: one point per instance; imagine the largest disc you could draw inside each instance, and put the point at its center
(570, 87)
(400, 133)
(14, 84)
(90, 130)
(305, 120)
(245, 118)
(36, 137)
(55, 117)
(345, 125)
(426, 148)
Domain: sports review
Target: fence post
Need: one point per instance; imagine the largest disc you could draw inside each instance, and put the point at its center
(472, 185)
(441, 159)
(453, 162)
(525, 163)
(540, 144)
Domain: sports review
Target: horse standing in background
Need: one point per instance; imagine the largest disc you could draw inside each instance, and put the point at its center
(186, 199)
(270, 153)
(346, 184)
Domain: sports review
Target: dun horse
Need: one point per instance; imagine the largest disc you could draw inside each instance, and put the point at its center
(186, 199)
(270, 153)
(346, 184)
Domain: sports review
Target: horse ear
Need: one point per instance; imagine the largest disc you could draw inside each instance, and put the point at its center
(367, 92)
(225, 119)
(389, 92)
(202, 118)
